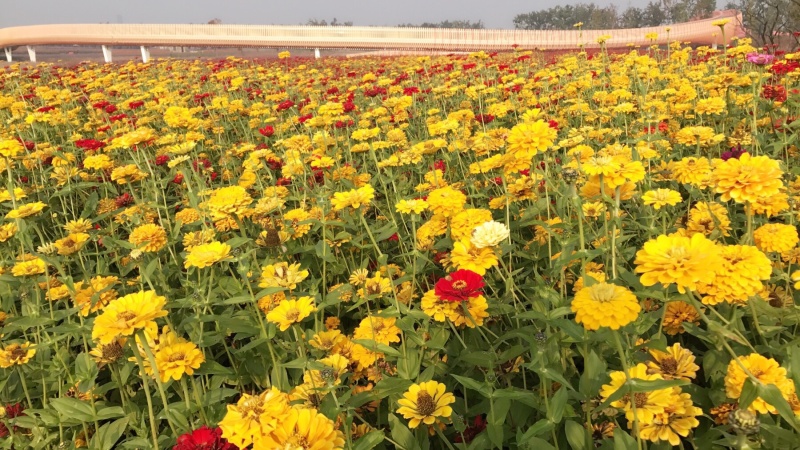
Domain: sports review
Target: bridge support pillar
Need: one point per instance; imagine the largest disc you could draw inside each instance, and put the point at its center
(107, 53)
(316, 53)
(31, 53)
(145, 54)
(8, 54)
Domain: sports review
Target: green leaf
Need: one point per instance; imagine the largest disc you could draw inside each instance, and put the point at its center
(557, 404)
(623, 440)
(593, 375)
(772, 395)
(401, 434)
(108, 435)
(540, 427)
(482, 388)
(369, 440)
(496, 419)
(638, 385)
(749, 393)
(576, 435)
(85, 371)
(70, 408)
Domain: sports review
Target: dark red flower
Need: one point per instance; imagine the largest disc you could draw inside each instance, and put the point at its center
(478, 425)
(267, 131)
(484, 118)
(124, 200)
(203, 438)
(459, 286)
(162, 159)
(12, 411)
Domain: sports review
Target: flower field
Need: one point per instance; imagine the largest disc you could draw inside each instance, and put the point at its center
(512, 250)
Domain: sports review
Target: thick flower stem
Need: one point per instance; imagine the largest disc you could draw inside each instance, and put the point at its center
(146, 394)
(154, 365)
(623, 358)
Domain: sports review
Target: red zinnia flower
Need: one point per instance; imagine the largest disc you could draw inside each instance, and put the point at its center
(267, 131)
(459, 286)
(203, 438)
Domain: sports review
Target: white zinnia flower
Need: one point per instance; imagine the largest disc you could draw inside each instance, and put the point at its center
(489, 234)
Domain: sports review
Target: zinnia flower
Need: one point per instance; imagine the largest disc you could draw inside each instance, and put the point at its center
(677, 420)
(254, 416)
(676, 315)
(766, 370)
(677, 363)
(424, 402)
(148, 238)
(478, 260)
(302, 428)
(282, 275)
(203, 438)
(176, 359)
(207, 254)
(648, 404)
(489, 234)
(446, 201)
(677, 259)
(125, 315)
(776, 237)
(527, 139)
(747, 179)
(71, 244)
(379, 329)
(27, 210)
(289, 312)
(661, 197)
(459, 286)
(605, 305)
(414, 206)
(16, 354)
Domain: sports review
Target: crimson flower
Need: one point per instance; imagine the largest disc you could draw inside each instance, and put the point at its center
(459, 286)
(203, 438)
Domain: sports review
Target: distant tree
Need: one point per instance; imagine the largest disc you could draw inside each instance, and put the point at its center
(563, 17)
(766, 21)
(594, 17)
(324, 23)
(214, 21)
(468, 24)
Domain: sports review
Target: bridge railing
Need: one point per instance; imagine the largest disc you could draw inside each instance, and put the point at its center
(430, 39)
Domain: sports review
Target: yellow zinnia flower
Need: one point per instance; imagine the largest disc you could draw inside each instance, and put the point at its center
(424, 402)
(125, 315)
(677, 259)
(177, 359)
(527, 139)
(23, 211)
(71, 244)
(661, 197)
(766, 370)
(776, 237)
(677, 363)
(207, 254)
(254, 416)
(302, 428)
(289, 312)
(605, 305)
(282, 275)
(148, 237)
(648, 404)
(16, 354)
(747, 179)
(466, 256)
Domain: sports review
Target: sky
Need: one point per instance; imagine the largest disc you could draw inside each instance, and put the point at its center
(493, 13)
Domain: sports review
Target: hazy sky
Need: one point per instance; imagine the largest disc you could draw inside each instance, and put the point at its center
(494, 13)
